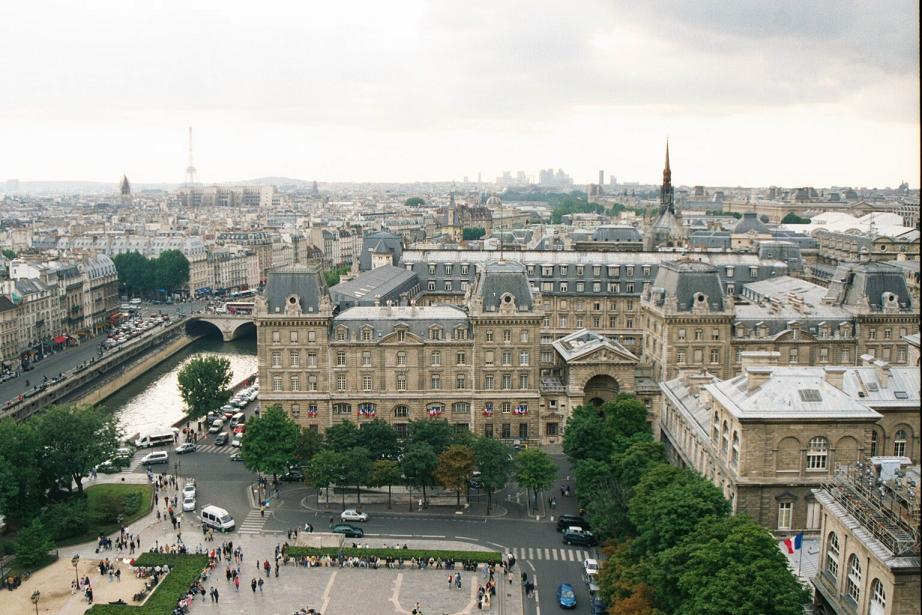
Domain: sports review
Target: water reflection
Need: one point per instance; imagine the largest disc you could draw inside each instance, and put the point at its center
(153, 399)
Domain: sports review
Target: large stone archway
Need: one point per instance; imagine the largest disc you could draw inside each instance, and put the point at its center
(600, 389)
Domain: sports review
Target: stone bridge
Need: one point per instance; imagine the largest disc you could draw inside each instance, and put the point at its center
(230, 326)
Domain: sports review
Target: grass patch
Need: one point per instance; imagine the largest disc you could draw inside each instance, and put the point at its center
(404, 554)
(184, 570)
(105, 502)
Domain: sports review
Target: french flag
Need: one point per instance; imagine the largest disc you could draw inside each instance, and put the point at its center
(794, 544)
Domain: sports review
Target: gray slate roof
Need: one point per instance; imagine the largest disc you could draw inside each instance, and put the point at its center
(684, 280)
(379, 285)
(304, 281)
(500, 278)
(750, 222)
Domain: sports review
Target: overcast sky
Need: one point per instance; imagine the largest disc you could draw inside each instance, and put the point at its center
(824, 92)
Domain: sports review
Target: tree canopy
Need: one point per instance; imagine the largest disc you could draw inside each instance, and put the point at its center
(438, 434)
(455, 465)
(493, 461)
(792, 218)
(140, 275)
(473, 232)
(203, 383)
(326, 468)
(418, 464)
(535, 470)
(271, 442)
(414, 201)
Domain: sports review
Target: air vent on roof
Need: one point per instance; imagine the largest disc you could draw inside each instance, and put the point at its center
(901, 394)
(872, 387)
(809, 395)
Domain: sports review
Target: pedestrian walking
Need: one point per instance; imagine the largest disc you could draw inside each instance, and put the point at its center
(253, 584)
(215, 595)
(260, 584)
(236, 584)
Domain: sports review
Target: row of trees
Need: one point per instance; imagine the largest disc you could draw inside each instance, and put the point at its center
(673, 546)
(792, 218)
(139, 275)
(433, 454)
(572, 205)
(472, 233)
(44, 457)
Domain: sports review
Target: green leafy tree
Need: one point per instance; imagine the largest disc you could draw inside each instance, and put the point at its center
(326, 468)
(74, 440)
(172, 268)
(32, 545)
(535, 470)
(203, 383)
(492, 460)
(136, 273)
(456, 463)
(271, 442)
(310, 443)
(626, 416)
(21, 488)
(588, 435)
(343, 436)
(9, 254)
(332, 276)
(379, 437)
(692, 578)
(438, 434)
(667, 503)
(472, 233)
(418, 464)
(358, 469)
(630, 465)
(414, 201)
(792, 218)
(386, 472)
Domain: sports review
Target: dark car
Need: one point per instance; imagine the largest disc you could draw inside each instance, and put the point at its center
(293, 475)
(568, 521)
(598, 606)
(577, 536)
(349, 531)
(221, 439)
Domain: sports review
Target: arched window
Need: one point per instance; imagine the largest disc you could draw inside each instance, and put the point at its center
(735, 451)
(817, 453)
(725, 444)
(715, 434)
(899, 443)
(832, 555)
(878, 598)
(853, 581)
(401, 411)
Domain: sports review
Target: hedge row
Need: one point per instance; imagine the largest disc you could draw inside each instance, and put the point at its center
(184, 570)
(404, 554)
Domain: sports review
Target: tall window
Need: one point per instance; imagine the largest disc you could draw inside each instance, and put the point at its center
(523, 336)
(785, 512)
(340, 358)
(436, 358)
(507, 335)
(715, 432)
(488, 381)
(460, 382)
(460, 358)
(401, 412)
(312, 359)
(401, 358)
(817, 453)
(853, 581)
(899, 443)
(715, 355)
(401, 382)
(340, 382)
(523, 381)
(366, 335)
(366, 382)
(294, 358)
(832, 555)
(295, 383)
(366, 359)
(735, 450)
(878, 598)
(436, 382)
(276, 358)
(725, 441)
(523, 358)
(276, 383)
(507, 381)
(874, 443)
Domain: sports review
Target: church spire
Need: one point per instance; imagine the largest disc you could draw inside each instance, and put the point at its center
(667, 193)
(667, 172)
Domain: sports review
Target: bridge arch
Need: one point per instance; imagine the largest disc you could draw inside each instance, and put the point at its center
(230, 328)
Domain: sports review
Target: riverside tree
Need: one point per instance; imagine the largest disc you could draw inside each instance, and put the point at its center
(75, 440)
(203, 383)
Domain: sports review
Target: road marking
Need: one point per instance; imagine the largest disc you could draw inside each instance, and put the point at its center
(546, 554)
(531, 553)
(496, 545)
(554, 554)
(329, 587)
(530, 565)
(430, 536)
(465, 538)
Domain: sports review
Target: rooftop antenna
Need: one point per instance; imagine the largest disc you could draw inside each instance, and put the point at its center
(190, 170)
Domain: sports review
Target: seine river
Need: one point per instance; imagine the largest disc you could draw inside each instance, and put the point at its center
(153, 399)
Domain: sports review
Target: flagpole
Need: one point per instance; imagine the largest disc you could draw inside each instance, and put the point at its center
(800, 561)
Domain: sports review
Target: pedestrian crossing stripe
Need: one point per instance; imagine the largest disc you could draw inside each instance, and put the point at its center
(564, 555)
(252, 524)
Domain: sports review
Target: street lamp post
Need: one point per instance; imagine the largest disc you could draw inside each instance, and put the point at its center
(74, 561)
(35, 596)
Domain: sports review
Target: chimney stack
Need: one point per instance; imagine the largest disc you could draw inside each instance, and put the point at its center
(835, 376)
(757, 375)
(753, 358)
(883, 373)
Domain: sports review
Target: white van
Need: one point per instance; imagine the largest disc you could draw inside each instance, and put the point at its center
(217, 518)
(157, 437)
(238, 419)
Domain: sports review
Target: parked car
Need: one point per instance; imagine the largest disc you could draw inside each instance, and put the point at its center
(188, 503)
(580, 537)
(156, 457)
(566, 597)
(590, 570)
(293, 475)
(188, 489)
(349, 531)
(476, 482)
(237, 441)
(216, 426)
(185, 447)
(221, 439)
(567, 521)
(598, 606)
(236, 457)
(350, 514)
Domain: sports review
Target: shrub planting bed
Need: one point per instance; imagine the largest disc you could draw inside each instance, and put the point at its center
(184, 571)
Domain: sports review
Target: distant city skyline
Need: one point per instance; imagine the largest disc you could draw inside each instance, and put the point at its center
(749, 94)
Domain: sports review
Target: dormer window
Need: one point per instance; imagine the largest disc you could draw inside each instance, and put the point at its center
(342, 334)
(401, 335)
(460, 333)
(367, 334)
(435, 333)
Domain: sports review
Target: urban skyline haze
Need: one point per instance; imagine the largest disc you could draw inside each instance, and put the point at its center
(749, 93)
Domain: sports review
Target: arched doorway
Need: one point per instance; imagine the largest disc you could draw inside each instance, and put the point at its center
(600, 389)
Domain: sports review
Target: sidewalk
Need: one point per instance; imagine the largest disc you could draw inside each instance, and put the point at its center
(476, 510)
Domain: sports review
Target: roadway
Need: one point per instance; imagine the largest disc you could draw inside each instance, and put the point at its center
(68, 358)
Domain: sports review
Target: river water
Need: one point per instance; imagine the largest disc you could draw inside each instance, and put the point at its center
(153, 400)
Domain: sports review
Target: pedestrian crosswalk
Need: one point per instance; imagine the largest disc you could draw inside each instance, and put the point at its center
(252, 524)
(562, 555)
(211, 448)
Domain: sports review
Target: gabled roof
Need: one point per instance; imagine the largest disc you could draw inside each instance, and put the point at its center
(584, 342)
